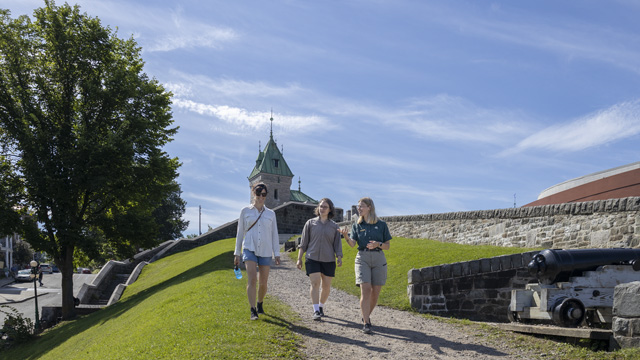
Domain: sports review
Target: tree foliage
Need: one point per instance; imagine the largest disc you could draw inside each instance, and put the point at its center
(87, 127)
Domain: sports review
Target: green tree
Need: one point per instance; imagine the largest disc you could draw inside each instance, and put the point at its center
(88, 127)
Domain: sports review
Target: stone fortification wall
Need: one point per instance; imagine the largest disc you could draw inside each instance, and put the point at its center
(592, 224)
(477, 290)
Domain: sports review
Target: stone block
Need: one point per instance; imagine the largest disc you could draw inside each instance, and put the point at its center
(414, 276)
(516, 261)
(456, 269)
(505, 262)
(485, 265)
(427, 273)
(445, 271)
(474, 267)
(625, 300)
(625, 342)
(495, 264)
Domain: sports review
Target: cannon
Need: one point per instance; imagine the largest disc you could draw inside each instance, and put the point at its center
(551, 266)
(574, 287)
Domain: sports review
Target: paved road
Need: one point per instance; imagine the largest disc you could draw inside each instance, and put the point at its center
(21, 295)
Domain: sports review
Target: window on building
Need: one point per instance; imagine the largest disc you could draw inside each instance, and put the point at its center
(275, 162)
(275, 194)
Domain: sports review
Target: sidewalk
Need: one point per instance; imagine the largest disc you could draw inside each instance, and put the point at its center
(10, 296)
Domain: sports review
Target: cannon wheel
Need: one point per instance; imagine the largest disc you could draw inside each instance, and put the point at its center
(568, 312)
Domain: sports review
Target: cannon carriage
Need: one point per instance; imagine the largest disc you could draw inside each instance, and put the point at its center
(574, 287)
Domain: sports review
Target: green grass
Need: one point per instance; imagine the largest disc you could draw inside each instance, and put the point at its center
(187, 306)
(406, 254)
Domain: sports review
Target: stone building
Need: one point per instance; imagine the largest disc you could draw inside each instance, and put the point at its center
(272, 170)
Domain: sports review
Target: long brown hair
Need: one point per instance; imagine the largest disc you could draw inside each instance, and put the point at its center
(373, 218)
(332, 209)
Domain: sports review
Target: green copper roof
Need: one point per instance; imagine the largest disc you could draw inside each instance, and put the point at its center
(271, 161)
(299, 196)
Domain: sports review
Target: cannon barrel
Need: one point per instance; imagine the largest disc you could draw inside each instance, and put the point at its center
(551, 265)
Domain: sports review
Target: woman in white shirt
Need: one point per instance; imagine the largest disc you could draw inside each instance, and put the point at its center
(257, 241)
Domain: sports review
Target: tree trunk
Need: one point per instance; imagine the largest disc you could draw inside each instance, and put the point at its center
(66, 268)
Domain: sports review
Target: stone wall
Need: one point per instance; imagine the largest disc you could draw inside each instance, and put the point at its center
(626, 315)
(593, 224)
(478, 290)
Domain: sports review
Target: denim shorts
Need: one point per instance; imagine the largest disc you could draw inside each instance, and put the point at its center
(251, 256)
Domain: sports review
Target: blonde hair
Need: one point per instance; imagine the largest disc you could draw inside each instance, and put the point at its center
(373, 218)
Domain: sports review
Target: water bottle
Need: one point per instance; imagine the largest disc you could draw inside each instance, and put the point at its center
(238, 273)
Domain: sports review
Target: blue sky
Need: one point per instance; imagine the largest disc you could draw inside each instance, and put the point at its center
(425, 106)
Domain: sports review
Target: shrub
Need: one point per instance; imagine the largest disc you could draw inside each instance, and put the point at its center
(16, 329)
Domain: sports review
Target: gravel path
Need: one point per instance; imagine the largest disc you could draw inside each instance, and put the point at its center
(396, 334)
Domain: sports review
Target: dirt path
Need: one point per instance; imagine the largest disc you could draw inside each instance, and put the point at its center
(396, 334)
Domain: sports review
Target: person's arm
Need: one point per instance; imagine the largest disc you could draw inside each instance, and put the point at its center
(337, 246)
(239, 238)
(276, 240)
(304, 243)
(345, 233)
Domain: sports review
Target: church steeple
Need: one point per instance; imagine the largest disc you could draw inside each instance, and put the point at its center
(273, 171)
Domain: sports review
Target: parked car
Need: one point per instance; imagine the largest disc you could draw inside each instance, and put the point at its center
(84, 271)
(46, 268)
(23, 275)
(54, 268)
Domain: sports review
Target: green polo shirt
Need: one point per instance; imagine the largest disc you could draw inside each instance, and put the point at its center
(363, 233)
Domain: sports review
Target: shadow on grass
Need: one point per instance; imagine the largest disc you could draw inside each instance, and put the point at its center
(52, 338)
(411, 337)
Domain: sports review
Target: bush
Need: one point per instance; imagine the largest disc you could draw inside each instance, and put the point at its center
(16, 329)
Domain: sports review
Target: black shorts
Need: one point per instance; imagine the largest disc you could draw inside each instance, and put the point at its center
(325, 268)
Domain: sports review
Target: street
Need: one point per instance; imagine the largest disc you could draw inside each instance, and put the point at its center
(48, 295)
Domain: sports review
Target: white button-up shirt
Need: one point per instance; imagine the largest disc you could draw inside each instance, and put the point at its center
(262, 239)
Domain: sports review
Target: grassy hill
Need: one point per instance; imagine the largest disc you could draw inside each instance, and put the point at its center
(186, 306)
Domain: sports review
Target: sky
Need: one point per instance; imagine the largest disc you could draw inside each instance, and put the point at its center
(424, 106)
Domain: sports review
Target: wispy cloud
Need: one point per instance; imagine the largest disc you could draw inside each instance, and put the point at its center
(186, 33)
(615, 123)
(450, 118)
(566, 36)
(252, 119)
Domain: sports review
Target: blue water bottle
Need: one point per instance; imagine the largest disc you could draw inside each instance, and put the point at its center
(238, 273)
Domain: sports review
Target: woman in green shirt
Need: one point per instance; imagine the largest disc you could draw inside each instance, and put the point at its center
(371, 235)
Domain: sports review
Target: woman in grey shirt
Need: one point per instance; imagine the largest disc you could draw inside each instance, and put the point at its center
(321, 241)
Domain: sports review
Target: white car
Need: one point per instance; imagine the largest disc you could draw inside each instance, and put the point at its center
(23, 275)
(46, 268)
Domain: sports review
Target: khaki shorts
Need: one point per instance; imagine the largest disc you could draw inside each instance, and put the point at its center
(371, 267)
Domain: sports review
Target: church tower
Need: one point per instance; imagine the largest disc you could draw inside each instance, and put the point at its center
(272, 170)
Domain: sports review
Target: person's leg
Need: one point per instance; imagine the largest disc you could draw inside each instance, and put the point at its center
(365, 301)
(326, 288)
(252, 276)
(375, 293)
(263, 279)
(314, 290)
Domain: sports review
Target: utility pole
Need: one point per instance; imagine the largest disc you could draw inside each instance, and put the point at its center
(514, 200)
(199, 219)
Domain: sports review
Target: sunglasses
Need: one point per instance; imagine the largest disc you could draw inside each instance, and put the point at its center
(263, 194)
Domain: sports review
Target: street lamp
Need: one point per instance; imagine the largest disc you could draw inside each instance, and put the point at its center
(34, 276)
